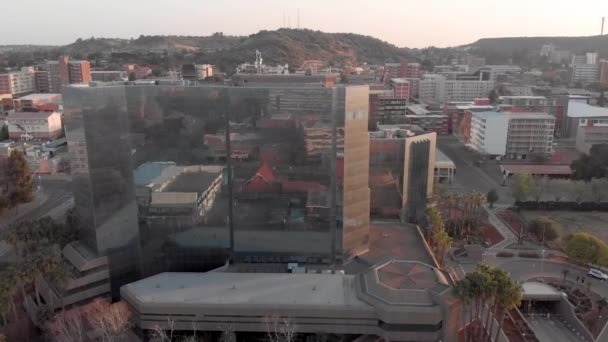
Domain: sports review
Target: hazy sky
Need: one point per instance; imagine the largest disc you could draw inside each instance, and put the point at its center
(412, 23)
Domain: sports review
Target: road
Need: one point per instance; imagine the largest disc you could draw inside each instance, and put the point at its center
(53, 198)
(551, 329)
(524, 269)
(469, 176)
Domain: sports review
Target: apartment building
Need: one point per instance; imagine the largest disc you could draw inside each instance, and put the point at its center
(585, 68)
(80, 72)
(404, 69)
(436, 88)
(43, 81)
(529, 134)
(550, 105)
(15, 83)
(65, 71)
(401, 88)
(488, 133)
(604, 72)
(455, 111)
(511, 135)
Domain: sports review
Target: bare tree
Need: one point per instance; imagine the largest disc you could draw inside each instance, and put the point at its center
(109, 321)
(280, 329)
(599, 189)
(538, 187)
(578, 190)
(228, 334)
(67, 326)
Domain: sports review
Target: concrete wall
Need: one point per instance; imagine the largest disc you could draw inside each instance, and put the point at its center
(566, 310)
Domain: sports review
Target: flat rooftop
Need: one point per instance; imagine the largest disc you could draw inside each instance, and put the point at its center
(273, 289)
(583, 110)
(441, 160)
(36, 97)
(540, 291)
(198, 181)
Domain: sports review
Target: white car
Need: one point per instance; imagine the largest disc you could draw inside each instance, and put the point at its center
(597, 274)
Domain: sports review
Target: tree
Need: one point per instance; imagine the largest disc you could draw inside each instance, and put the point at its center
(587, 248)
(18, 175)
(67, 326)
(599, 189)
(521, 188)
(544, 228)
(538, 187)
(492, 197)
(508, 296)
(592, 165)
(109, 321)
(280, 329)
(493, 96)
(443, 241)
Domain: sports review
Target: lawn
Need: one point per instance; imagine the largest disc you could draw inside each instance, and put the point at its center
(595, 223)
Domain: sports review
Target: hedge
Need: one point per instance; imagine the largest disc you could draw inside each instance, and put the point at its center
(572, 206)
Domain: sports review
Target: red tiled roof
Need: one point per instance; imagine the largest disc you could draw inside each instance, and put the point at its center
(266, 173)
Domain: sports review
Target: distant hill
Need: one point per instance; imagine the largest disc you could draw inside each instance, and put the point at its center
(501, 49)
(291, 46)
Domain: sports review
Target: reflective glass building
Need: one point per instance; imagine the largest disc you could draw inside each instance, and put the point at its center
(175, 178)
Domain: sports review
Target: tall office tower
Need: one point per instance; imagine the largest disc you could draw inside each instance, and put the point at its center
(160, 168)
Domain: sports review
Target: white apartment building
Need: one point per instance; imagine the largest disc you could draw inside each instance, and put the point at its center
(489, 132)
(529, 134)
(20, 82)
(436, 88)
(585, 72)
(512, 135)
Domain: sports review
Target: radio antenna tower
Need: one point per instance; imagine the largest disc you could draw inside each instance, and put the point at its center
(602, 32)
(283, 20)
(298, 18)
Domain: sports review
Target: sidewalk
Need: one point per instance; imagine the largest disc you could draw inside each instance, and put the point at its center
(506, 232)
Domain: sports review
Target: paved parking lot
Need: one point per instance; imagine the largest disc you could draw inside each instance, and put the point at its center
(470, 177)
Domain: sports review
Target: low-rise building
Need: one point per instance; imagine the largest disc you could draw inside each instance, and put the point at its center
(591, 124)
(176, 196)
(37, 102)
(34, 125)
(456, 112)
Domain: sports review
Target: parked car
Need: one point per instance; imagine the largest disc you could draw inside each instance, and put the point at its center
(597, 274)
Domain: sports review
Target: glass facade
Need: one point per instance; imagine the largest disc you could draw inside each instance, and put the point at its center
(190, 176)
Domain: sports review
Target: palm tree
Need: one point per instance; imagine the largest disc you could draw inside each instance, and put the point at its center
(463, 293)
(508, 297)
(443, 241)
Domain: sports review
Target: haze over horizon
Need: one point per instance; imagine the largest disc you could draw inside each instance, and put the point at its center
(414, 24)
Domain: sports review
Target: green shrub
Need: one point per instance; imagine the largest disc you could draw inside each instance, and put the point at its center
(586, 247)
